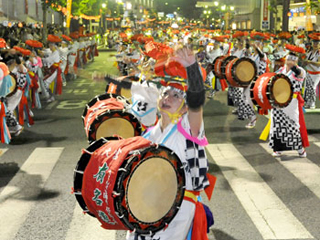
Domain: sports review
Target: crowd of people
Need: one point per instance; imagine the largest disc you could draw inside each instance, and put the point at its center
(294, 55)
(33, 71)
(182, 64)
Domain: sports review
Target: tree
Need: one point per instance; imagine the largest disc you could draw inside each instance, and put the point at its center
(46, 4)
(273, 7)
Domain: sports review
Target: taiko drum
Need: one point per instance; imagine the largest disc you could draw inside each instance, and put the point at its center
(240, 72)
(129, 184)
(108, 115)
(271, 90)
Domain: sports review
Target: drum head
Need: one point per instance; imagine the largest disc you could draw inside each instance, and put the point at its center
(115, 126)
(151, 199)
(245, 71)
(282, 90)
(114, 122)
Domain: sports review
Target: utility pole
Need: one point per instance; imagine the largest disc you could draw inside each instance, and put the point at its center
(285, 17)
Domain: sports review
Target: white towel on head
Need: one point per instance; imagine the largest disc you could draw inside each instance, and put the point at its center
(144, 102)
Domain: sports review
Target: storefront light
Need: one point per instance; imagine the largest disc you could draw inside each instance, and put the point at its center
(175, 25)
(129, 6)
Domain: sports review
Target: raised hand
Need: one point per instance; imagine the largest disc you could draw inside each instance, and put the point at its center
(185, 56)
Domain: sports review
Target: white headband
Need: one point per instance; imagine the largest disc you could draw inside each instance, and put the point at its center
(292, 58)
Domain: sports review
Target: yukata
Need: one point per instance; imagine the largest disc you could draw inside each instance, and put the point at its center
(63, 52)
(287, 129)
(54, 74)
(192, 154)
(312, 79)
(72, 58)
(18, 99)
(245, 107)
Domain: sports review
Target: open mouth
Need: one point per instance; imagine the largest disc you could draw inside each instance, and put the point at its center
(165, 106)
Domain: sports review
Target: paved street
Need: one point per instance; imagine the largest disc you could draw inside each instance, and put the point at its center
(256, 197)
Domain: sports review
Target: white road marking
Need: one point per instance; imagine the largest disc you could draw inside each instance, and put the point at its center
(16, 198)
(84, 227)
(302, 168)
(270, 215)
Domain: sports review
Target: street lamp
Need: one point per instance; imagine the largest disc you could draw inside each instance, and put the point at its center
(216, 4)
(223, 8)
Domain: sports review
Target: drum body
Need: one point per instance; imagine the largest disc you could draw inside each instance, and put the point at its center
(240, 72)
(224, 65)
(107, 115)
(14, 87)
(130, 184)
(217, 63)
(271, 90)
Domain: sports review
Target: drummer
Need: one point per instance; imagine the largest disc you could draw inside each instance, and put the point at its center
(213, 53)
(288, 130)
(240, 49)
(312, 63)
(245, 109)
(181, 129)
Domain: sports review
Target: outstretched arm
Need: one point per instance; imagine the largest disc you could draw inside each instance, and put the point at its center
(196, 91)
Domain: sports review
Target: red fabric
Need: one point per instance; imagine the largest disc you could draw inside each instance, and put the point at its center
(2, 115)
(75, 66)
(303, 128)
(199, 229)
(209, 190)
(84, 56)
(56, 67)
(66, 71)
(24, 109)
(34, 86)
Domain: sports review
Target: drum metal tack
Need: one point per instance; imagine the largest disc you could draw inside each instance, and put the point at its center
(80, 172)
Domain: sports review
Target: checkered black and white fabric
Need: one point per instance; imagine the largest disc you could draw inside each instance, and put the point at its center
(237, 95)
(245, 111)
(309, 93)
(21, 79)
(11, 119)
(285, 132)
(197, 165)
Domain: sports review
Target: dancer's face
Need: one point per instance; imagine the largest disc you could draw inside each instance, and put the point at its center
(170, 100)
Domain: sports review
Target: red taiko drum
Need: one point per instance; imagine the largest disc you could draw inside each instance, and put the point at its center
(271, 90)
(130, 184)
(240, 72)
(217, 66)
(108, 115)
